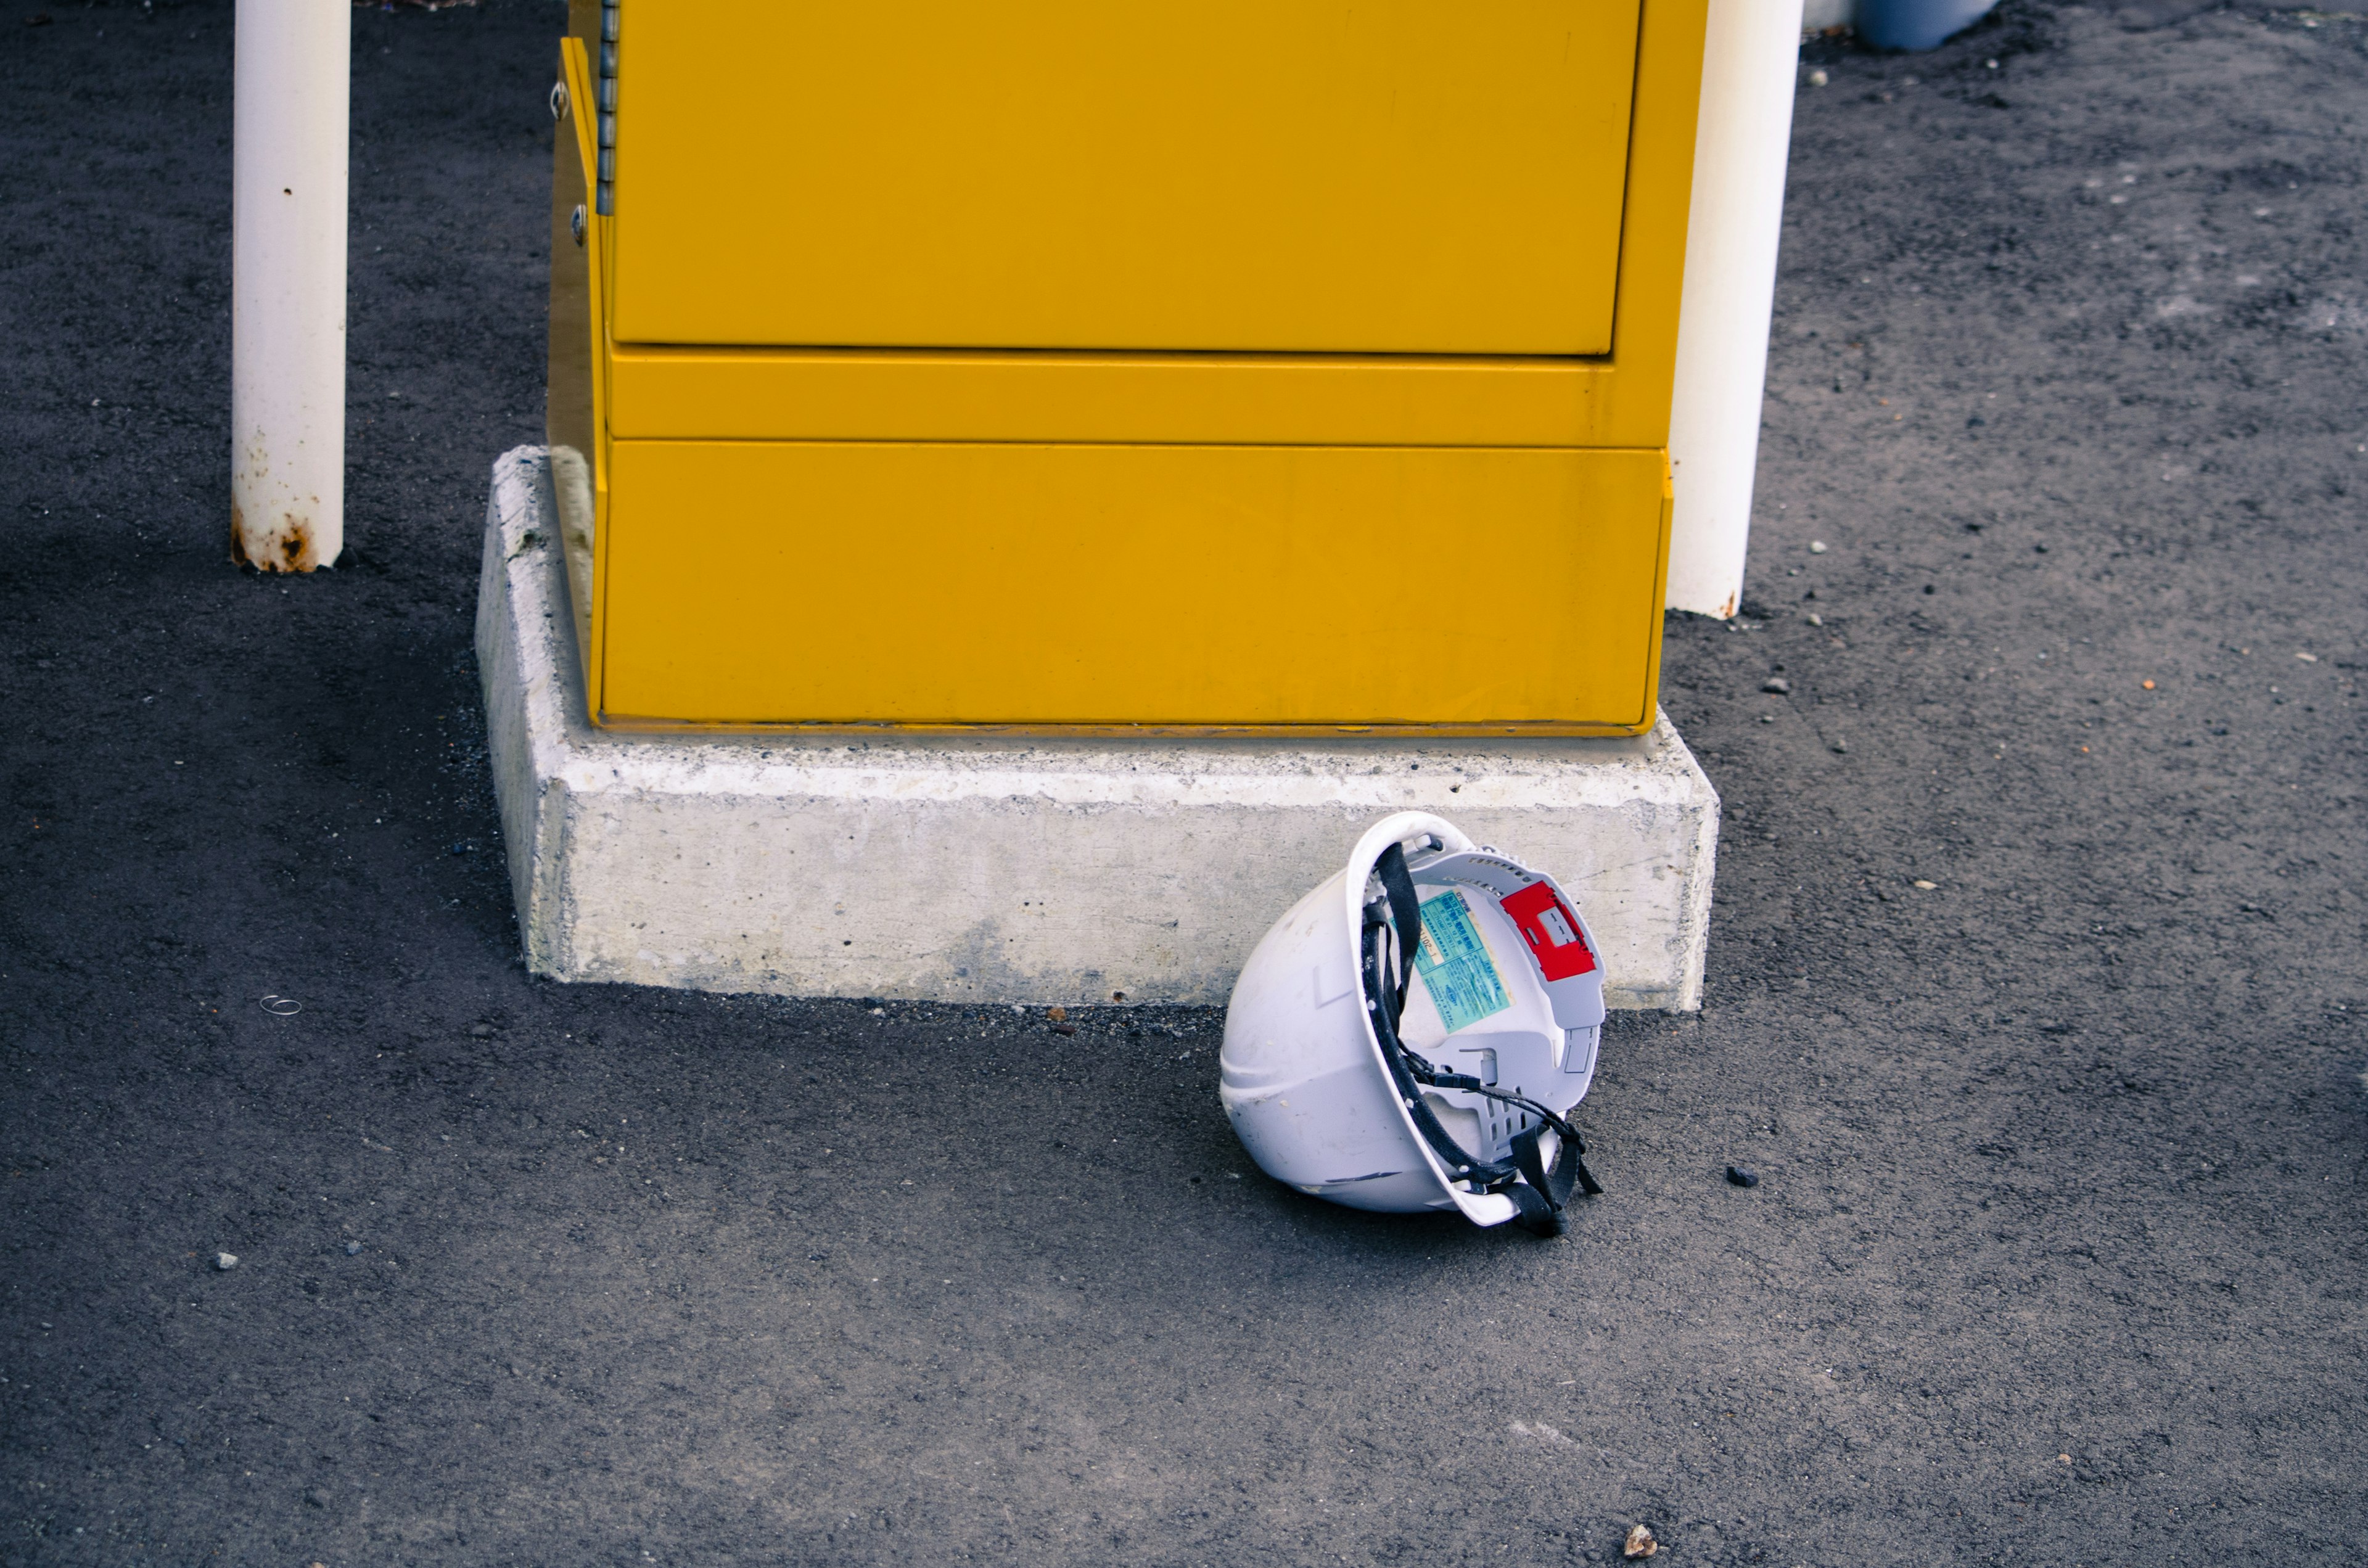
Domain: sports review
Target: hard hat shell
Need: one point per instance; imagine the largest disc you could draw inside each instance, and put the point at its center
(1306, 1080)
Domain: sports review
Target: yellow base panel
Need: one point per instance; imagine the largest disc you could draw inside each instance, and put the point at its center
(1132, 587)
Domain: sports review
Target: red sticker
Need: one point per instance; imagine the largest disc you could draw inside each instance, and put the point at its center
(1550, 928)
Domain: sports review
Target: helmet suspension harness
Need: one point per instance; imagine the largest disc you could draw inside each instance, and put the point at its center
(1539, 1192)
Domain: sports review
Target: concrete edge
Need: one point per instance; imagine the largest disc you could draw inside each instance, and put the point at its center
(519, 708)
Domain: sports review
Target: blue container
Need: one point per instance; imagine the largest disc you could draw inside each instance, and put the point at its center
(1917, 23)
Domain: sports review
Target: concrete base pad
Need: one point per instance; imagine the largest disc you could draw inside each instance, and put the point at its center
(1012, 871)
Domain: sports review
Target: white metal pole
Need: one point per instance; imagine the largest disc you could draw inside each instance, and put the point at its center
(1750, 59)
(291, 85)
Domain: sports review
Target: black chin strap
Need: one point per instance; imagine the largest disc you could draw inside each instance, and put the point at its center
(1405, 912)
(1539, 1192)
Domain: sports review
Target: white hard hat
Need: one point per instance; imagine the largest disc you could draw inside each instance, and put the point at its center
(1389, 1051)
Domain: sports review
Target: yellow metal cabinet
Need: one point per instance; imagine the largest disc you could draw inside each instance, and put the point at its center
(1249, 365)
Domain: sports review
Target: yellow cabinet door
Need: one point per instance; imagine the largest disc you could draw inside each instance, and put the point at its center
(1192, 586)
(1384, 176)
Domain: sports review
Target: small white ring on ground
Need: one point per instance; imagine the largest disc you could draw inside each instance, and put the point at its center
(281, 1006)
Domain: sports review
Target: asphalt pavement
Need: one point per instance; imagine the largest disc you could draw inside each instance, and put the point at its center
(2035, 989)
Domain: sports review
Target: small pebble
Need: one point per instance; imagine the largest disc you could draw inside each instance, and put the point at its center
(481, 1031)
(1841, 748)
(225, 1261)
(1058, 1015)
(1777, 686)
(353, 1249)
(1640, 1543)
(1818, 78)
(1925, 886)
(1065, 1028)
(1816, 619)
(1816, 547)
(1738, 1176)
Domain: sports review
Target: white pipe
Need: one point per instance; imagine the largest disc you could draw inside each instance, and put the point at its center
(291, 85)
(1749, 61)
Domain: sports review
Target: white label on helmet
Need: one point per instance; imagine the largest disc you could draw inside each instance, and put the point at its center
(1455, 964)
(1557, 927)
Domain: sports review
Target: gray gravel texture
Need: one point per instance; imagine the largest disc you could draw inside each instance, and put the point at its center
(2057, 1253)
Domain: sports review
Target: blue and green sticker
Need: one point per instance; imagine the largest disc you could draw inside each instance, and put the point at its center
(1455, 966)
